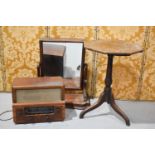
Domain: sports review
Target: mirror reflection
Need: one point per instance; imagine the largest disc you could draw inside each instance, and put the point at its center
(72, 53)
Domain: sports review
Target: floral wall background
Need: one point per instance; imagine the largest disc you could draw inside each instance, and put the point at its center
(1, 62)
(148, 84)
(21, 51)
(133, 76)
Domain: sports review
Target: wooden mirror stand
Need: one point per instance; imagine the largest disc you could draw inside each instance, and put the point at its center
(65, 57)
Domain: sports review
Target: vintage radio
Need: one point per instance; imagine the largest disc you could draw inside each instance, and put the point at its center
(38, 99)
(38, 112)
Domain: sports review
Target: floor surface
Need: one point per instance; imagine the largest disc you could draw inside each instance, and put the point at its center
(141, 114)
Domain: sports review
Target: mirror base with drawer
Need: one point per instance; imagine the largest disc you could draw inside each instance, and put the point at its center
(76, 101)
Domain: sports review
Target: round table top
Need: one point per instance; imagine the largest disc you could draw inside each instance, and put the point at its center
(116, 47)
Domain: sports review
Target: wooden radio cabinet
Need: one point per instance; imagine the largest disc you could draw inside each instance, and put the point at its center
(38, 99)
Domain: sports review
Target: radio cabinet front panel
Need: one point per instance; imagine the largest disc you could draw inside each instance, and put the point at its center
(36, 113)
(38, 95)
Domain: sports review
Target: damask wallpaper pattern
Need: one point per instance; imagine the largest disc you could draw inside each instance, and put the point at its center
(148, 83)
(21, 56)
(21, 51)
(1, 62)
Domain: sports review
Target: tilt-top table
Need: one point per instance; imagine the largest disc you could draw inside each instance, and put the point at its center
(111, 48)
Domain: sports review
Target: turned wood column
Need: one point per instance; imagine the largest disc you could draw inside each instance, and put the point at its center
(108, 79)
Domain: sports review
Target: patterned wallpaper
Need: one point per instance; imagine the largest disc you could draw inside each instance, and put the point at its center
(133, 76)
(21, 51)
(148, 83)
(1, 61)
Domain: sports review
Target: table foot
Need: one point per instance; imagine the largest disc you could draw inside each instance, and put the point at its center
(120, 112)
(100, 101)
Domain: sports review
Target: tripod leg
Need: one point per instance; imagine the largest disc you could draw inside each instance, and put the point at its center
(120, 112)
(94, 106)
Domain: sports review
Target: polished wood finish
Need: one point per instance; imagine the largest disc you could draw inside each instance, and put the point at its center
(37, 83)
(115, 47)
(111, 48)
(24, 113)
(72, 40)
(76, 101)
(55, 50)
(50, 96)
(72, 83)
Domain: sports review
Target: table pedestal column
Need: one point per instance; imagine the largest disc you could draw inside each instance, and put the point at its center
(106, 95)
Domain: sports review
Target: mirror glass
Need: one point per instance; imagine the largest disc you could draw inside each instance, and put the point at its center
(73, 55)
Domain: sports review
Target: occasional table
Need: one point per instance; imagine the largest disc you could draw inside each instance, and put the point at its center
(111, 48)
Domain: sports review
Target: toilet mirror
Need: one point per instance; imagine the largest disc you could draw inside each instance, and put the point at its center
(71, 54)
